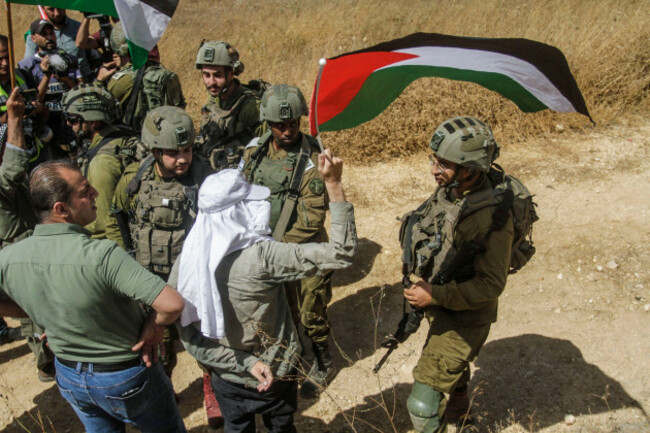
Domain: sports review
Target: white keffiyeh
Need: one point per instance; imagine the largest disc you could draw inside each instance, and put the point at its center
(233, 215)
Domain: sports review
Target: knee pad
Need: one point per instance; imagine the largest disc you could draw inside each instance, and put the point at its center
(423, 405)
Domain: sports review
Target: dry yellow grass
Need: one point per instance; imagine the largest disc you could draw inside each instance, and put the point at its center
(606, 43)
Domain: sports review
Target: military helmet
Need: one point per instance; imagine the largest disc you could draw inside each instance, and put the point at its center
(169, 128)
(281, 103)
(465, 141)
(118, 40)
(219, 53)
(91, 103)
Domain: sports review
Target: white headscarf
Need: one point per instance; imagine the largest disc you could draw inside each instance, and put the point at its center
(233, 215)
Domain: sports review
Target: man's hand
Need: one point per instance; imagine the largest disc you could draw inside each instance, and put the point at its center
(15, 105)
(419, 294)
(331, 170)
(149, 341)
(106, 71)
(45, 66)
(263, 373)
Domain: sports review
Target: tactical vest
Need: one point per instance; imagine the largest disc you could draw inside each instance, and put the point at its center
(163, 214)
(218, 126)
(276, 174)
(427, 234)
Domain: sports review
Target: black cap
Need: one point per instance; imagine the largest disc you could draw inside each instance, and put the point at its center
(37, 26)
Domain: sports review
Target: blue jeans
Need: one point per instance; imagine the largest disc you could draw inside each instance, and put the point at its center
(3, 326)
(104, 402)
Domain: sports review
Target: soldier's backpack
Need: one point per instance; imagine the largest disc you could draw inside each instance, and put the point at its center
(151, 85)
(128, 151)
(523, 216)
(258, 86)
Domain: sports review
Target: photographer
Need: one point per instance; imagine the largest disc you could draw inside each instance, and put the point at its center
(98, 41)
(33, 126)
(57, 72)
(65, 29)
(50, 61)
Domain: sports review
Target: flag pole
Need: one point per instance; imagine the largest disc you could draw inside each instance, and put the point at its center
(10, 48)
(321, 66)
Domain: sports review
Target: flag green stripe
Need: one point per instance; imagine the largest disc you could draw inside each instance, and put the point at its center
(385, 85)
(139, 55)
(105, 7)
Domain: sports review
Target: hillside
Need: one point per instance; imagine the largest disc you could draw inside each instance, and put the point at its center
(573, 335)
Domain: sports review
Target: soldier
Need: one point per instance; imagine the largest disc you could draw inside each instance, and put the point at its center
(18, 216)
(464, 232)
(154, 85)
(158, 197)
(285, 160)
(104, 150)
(230, 118)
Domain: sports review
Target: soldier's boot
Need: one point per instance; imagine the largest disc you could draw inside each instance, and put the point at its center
(212, 409)
(458, 406)
(321, 373)
(424, 405)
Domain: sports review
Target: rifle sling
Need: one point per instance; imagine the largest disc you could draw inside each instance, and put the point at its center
(294, 191)
(133, 98)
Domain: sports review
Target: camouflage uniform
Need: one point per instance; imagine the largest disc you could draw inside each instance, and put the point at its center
(227, 126)
(161, 210)
(464, 304)
(104, 172)
(229, 123)
(103, 158)
(274, 168)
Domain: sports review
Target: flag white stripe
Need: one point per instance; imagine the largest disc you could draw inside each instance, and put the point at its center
(524, 73)
(143, 25)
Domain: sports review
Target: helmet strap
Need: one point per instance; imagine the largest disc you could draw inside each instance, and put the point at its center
(454, 180)
(228, 83)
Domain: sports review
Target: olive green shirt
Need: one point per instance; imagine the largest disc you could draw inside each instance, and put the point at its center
(104, 172)
(474, 302)
(258, 324)
(17, 214)
(311, 207)
(86, 293)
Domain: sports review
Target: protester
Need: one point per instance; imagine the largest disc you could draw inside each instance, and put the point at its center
(237, 319)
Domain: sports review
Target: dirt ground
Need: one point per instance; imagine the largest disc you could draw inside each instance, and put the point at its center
(573, 335)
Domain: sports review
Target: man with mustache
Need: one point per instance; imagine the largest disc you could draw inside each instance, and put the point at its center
(57, 72)
(230, 118)
(65, 31)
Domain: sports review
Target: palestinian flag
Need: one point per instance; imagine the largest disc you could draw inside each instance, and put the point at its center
(144, 21)
(354, 88)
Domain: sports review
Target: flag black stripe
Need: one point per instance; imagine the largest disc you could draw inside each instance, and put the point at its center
(166, 7)
(548, 59)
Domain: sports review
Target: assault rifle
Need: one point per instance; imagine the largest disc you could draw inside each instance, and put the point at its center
(123, 223)
(410, 321)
